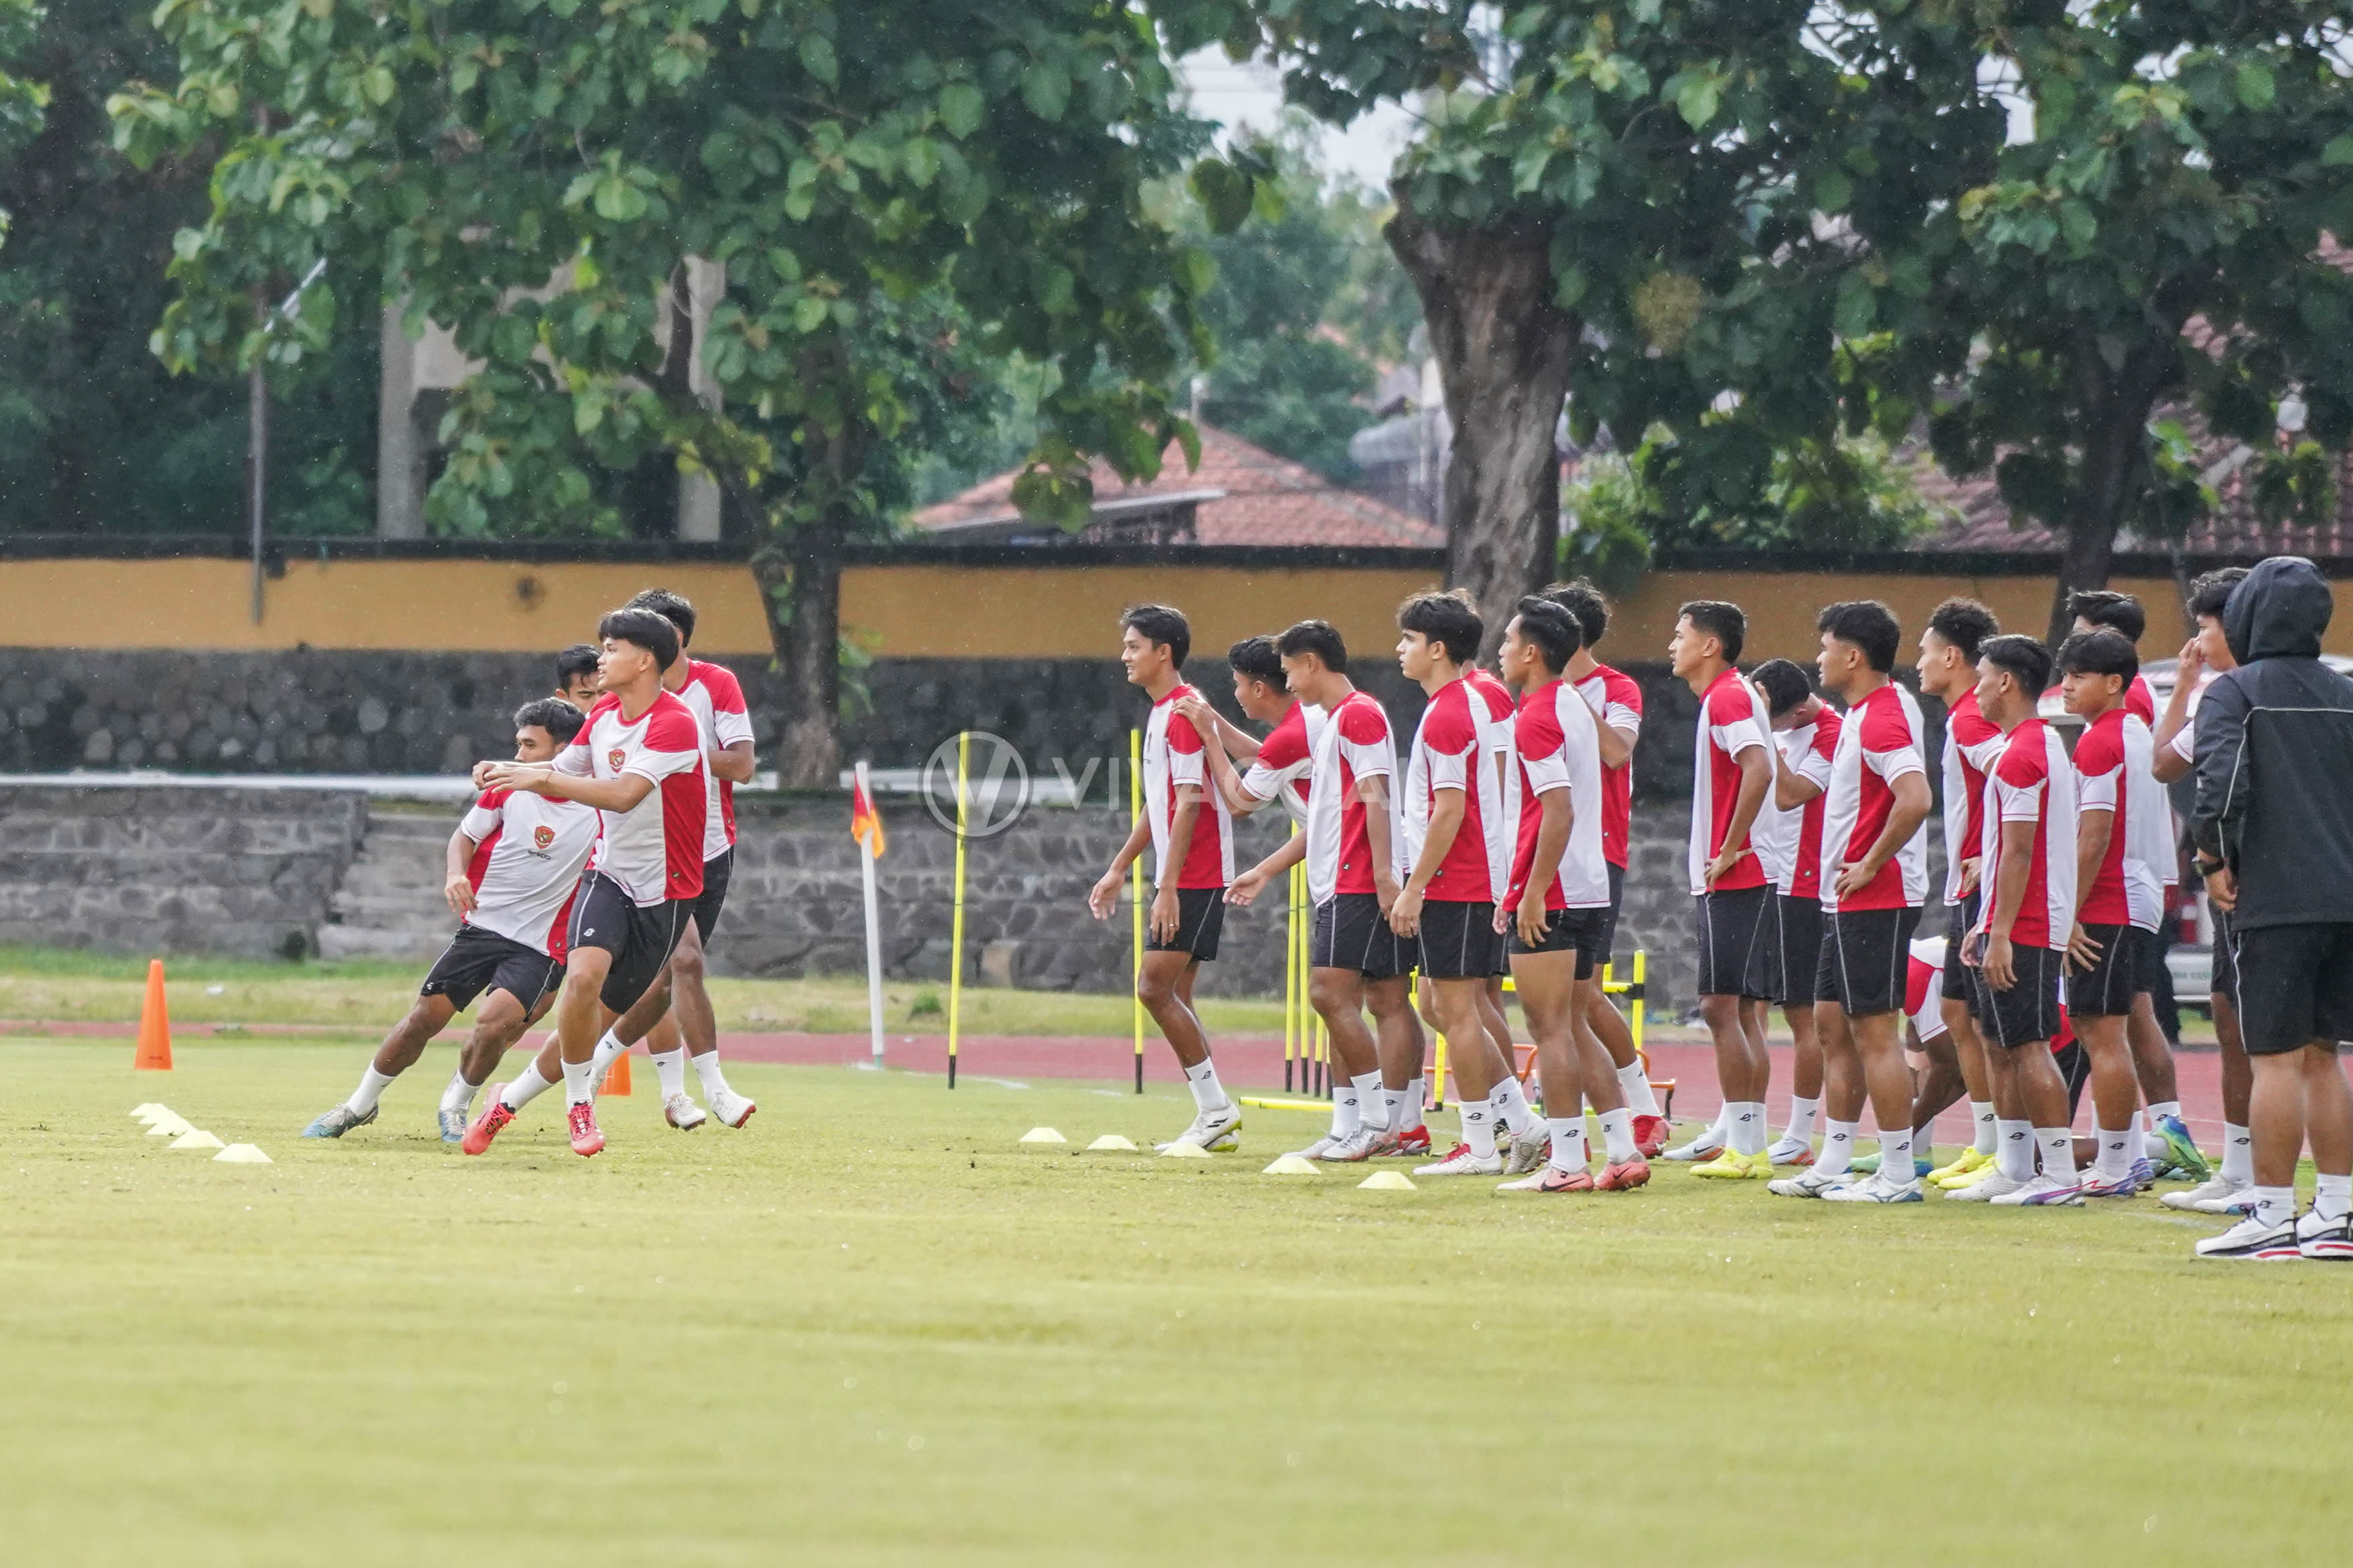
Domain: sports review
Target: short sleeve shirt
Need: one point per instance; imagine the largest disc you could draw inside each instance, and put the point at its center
(1357, 744)
(1878, 745)
(1809, 749)
(1172, 758)
(716, 697)
(1616, 700)
(1729, 724)
(529, 850)
(1450, 753)
(2032, 781)
(1285, 758)
(1559, 750)
(654, 849)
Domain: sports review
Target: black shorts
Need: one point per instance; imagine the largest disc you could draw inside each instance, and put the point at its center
(2106, 989)
(640, 939)
(1200, 920)
(1729, 922)
(1617, 901)
(1959, 985)
(2225, 980)
(1458, 939)
(717, 872)
(1788, 951)
(2296, 986)
(1568, 930)
(477, 961)
(1866, 959)
(2027, 1013)
(1351, 932)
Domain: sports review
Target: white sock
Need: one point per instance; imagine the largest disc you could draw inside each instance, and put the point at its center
(2013, 1154)
(2238, 1156)
(2141, 1142)
(2165, 1107)
(1618, 1135)
(1895, 1156)
(1416, 1094)
(1989, 1134)
(715, 1081)
(1209, 1094)
(1838, 1147)
(2274, 1206)
(371, 1089)
(460, 1095)
(1372, 1107)
(1802, 1112)
(579, 1083)
(1347, 1114)
(2114, 1159)
(1636, 1085)
(2332, 1198)
(527, 1087)
(669, 1072)
(2058, 1145)
(607, 1047)
(1747, 1131)
(1479, 1127)
(1567, 1142)
(1511, 1102)
(1715, 1135)
(1393, 1101)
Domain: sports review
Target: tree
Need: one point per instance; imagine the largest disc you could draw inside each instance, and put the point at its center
(1853, 493)
(537, 174)
(22, 101)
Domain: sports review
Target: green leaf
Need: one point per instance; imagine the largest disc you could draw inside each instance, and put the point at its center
(1196, 274)
(618, 200)
(1046, 89)
(960, 109)
(1528, 167)
(2339, 151)
(1697, 99)
(1832, 191)
(817, 57)
(920, 159)
(1224, 193)
(1857, 309)
(378, 85)
(2253, 83)
(2076, 222)
(809, 313)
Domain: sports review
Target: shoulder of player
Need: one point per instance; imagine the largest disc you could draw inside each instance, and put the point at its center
(491, 799)
(1361, 722)
(726, 692)
(670, 725)
(1728, 701)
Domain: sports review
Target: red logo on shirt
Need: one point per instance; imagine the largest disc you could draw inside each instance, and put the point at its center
(542, 835)
(616, 757)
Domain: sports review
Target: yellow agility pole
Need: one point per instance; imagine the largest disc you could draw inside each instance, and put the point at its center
(955, 939)
(1134, 815)
(1290, 966)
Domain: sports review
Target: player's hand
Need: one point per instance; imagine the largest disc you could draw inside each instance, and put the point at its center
(482, 772)
(1532, 920)
(1973, 949)
(1104, 897)
(2188, 664)
(1198, 712)
(1971, 868)
(1853, 876)
(1404, 913)
(1246, 887)
(2000, 965)
(1385, 893)
(1721, 867)
(2222, 889)
(2083, 952)
(1165, 918)
(459, 892)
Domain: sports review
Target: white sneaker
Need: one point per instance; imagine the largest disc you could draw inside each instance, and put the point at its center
(732, 1109)
(1698, 1149)
(1790, 1152)
(1812, 1183)
(1529, 1150)
(2040, 1192)
(1315, 1150)
(1212, 1130)
(1985, 1192)
(682, 1113)
(1876, 1188)
(1462, 1163)
(2251, 1240)
(1355, 1147)
(2213, 1196)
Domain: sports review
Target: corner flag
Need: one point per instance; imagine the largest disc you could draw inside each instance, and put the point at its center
(865, 822)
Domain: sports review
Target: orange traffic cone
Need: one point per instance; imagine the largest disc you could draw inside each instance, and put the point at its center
(618, 1080)
(154, 1025)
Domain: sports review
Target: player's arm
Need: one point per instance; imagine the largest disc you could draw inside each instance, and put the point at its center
(1447, 809)
(1617, 745)
(1905, 815)
(1791, 789)
(1252, 882)
(1104, 897)
(1756, 776)
(621, 794)
(1236, 740)
(456, 887)
(2009, 897)
(2094, 827)
(732, 762)
(2168, 763)
(1222, 777)
(1165, 917)
(1373, 790)
(1559, 816)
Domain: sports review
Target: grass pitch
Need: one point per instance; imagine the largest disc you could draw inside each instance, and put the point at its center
(872, 1329)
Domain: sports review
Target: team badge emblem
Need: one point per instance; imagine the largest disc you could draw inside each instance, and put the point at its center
(616, 757)
(542, 835)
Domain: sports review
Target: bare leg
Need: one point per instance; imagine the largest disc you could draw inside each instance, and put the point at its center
(690, 1000)
(2152, 1059)
(1546, 983)
(1608, 1025)
(1456, 1004)
(2115, 1092)
(2238, 1074)
(1400, 1041)
(1806, 1071)
(1886, 1077)
(407, 1042)
(500, 1024)
(1734, 1072)
(1338, 997)
(1842, 1083)
(2280, 1107)
(2329, 1112)
(1163, 986)
(1938, 1088)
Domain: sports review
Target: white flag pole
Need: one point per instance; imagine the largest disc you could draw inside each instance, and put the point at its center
(873, 931)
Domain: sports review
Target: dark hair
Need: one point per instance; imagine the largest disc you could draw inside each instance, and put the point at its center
(1256, 657)
(1448, 619)
(1553, 630)
(553, 714)
(1321, 638)
(1783, 683)
(2103, 652)
(1161, 624)
(578, 659)
(1727, 622)
(2022, 657)
(675, 608)
(1866, 624)
(650, 631)
(2208, 594)
(2105, 607)
(1583, 601)
(1965, 624)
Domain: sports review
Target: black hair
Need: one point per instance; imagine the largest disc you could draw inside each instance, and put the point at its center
(2022, 657)
(1553, 630)
(1257, 658)
(553, 714)
(578, 660)
(2103, 652)
(2209, 592)
(1583, 601)
(1160, 624)
(2105, 607)
(1321, 638)
(675, 608)
(1783, 683)
(1866, 624)
(1965, 624)
(1448, 619)
(1727, 622)
(650, 631)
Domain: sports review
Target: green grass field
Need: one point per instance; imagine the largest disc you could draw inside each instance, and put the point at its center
(872, 1328)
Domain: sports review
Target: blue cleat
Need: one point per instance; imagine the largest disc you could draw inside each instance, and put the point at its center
(2183, 1149)
(338, 1122)
(453, 1127)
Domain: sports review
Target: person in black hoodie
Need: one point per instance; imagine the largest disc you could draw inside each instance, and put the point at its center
(2273, 826)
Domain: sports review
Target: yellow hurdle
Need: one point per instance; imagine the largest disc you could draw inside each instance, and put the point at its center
(1136, 815)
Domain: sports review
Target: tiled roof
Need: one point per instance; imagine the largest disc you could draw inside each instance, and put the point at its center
(1259, 500)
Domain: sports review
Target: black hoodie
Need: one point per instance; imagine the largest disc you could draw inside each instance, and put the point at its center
(2275, 754)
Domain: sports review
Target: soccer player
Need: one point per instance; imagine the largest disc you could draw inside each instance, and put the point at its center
(576, 676)
(675, 1017)
(2098, 608)
(1192, 838)
(1447, 905)
(1616, 700)
(1556, 904)
(1733, 770)
(1806, 730)
(2019, 941)
(639, 761)
(2231, 1187)
(514, 861)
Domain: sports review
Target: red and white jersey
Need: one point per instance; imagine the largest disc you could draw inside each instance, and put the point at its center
(529, 850)
(1172, 756)
(1878, 744)
(1924, 992)
(1617, 702)
(716, 697)
(1450, 752)
(1284, 760)
(2141, 702)
(2032, 781)
(1731, 720)
(1809, 749)
(1500, 713)
(1355, 745)
(654, 849)
(1971, 744)
(2112, 767)
(1558, 749)
(1776, 833)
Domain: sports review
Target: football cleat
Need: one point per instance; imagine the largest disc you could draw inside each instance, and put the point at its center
(2330, 1240)
(1461, 1162)
(2042, 1191)
(1812, 1182)
(2253, 1241)
(2181, 1147)
(587, 1138)
(682, 1113)
(1623, 1176)
(1970, 1160)
(2095, 1185)
(338, 1122)
(1875, 1189)
(1529, 1149)
(2216, 1194)
(1211, 1131)
(1552, 1179)
(1651, 1136)
(734, 1110)
(1315, 1150)
(1729, 1166)
(1983, 1186)
(453, 1126)
(1413, 1143)
(1704, 1147)
(1356, 1146)
(1797, 1152)
(486, 1126)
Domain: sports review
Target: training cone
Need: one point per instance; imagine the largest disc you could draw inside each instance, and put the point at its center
(1113, 1141)
(169, 1126)
(1291, 1165)
(154, 1026)
(1180, 1150)
(1386, 1182)
(242, 1154)
(617, 1081)
(147, 1112)
(195, 1138)
(1043, 1135)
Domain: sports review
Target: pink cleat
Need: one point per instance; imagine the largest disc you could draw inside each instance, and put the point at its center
(587, 1138)
(487, 1125)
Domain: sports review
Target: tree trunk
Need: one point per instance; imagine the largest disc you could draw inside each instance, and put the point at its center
(1503, 350)
(2112, 470)
(800, 584)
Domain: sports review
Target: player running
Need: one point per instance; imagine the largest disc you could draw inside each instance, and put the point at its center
(514, 861)
(639, 761)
